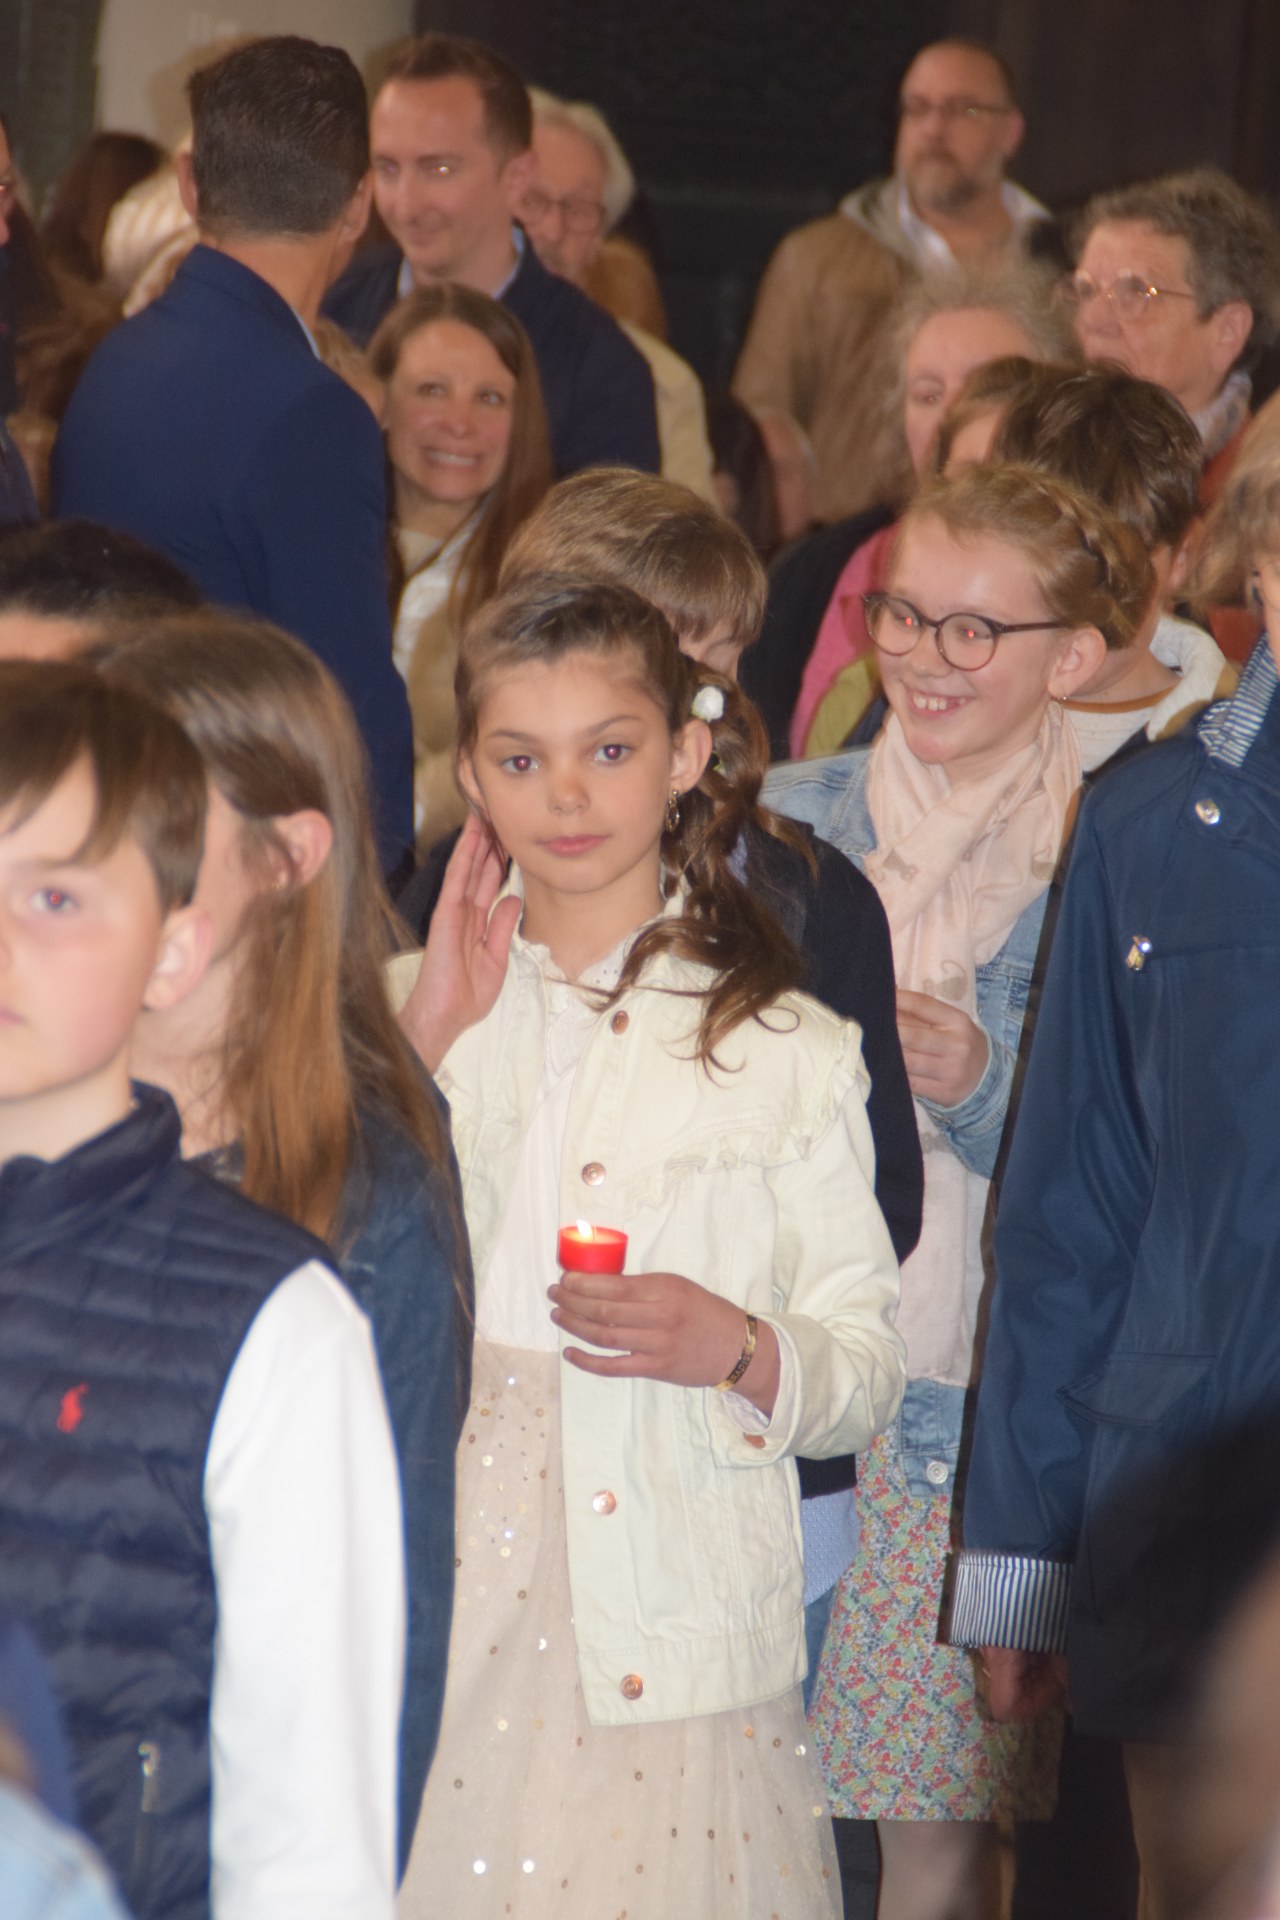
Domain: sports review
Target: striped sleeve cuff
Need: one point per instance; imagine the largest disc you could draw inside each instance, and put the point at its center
(1010, 1600)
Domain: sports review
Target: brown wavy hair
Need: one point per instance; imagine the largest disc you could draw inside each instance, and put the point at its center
(312, 1044)
(527, 473)
(1125, 442)
(724, 926)
(1091, 570)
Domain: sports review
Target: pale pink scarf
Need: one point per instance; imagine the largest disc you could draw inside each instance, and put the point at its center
(955, 866)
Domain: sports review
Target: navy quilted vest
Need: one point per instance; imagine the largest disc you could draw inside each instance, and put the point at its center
(128, 1281)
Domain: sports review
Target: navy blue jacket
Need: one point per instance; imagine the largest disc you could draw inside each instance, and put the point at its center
(128, 1281)
(207, 426)
(597, 386)
(1129, 1414)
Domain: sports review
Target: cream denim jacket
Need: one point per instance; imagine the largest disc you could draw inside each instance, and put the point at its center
(687, 1580)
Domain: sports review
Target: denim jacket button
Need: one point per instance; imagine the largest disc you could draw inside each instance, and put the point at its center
(632, 1687)
(620, 1022)
(604, 1501)
(1209, 812)
(937, 1473)
(593, 1173)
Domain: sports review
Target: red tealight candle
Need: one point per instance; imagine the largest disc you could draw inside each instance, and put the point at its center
(585, 1249)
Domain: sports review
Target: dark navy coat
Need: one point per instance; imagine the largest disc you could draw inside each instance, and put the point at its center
(207, 426)
(1129, 1415)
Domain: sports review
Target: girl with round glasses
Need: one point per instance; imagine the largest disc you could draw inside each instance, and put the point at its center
(1003, 590)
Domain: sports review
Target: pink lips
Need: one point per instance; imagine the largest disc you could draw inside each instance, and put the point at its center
(577, 843)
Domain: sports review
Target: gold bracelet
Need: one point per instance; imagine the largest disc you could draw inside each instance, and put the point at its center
(744, 1358)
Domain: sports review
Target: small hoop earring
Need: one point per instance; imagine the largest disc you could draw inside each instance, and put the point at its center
(672, 821)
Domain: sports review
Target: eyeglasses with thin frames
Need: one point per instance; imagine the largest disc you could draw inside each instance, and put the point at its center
(1129, 293)
(965, 640)
(579, 216)
(915, 108)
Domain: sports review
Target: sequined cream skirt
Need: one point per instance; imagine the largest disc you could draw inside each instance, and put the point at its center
(532, 1811)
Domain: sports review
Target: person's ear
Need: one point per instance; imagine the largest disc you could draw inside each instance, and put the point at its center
(187, 184)
(308, 839)
(692, 748)
(186, 946)
(1080, 654)
(1230, 324)
(355, 217)
(517, 178)
(471, 793)
(1015, 128)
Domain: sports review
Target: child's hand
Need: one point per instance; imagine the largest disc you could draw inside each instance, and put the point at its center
(945, 1051)
(668, 1328)
(467, 947)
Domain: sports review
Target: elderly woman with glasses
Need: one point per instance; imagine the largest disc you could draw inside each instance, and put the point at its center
(1003, 590)
(580, 189)
(1178, 280)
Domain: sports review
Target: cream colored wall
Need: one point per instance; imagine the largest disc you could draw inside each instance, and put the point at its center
(146, 48)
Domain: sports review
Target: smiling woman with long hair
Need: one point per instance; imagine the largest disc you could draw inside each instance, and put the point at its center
(470, 459)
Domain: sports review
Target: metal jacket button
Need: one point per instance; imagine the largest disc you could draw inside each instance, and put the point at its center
(593, 1173)
(937, 1473)
(632, 1687)
(620, 1022)
(1209, 811)
(604, 1501)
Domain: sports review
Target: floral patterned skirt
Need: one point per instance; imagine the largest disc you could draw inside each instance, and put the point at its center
(899, 1728)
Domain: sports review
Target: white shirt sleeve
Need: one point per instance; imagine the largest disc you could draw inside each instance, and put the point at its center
(302, 1493)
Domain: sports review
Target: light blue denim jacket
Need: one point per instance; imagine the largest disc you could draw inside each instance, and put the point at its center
(831, 795)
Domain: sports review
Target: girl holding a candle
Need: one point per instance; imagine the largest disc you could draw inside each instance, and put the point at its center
(623, 1726)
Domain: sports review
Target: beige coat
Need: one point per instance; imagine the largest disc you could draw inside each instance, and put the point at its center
(817, 344)
(816, 348)
(682, 413)
(757, 1183)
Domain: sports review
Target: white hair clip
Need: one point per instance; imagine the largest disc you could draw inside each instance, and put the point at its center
(708, 704)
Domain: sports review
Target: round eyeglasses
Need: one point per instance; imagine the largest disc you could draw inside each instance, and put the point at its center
(579, 216)
(965, 640)
(1128, 293)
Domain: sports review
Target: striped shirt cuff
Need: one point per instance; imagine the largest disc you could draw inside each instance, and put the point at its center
(1010, 1600)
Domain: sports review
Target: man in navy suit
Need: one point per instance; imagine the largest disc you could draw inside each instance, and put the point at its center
(451, 134)
(209, 427)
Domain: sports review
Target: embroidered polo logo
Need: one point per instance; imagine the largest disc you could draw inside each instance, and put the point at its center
(71, 1412)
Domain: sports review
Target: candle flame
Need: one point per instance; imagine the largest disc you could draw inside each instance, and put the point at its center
(586, 1230)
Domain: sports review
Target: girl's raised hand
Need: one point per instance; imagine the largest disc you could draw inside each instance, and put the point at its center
(946, 1052)
(467, 947)
(668, 1328)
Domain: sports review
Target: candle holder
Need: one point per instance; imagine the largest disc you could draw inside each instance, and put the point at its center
(582, 1248)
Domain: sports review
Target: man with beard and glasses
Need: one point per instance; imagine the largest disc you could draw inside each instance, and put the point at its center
(815, 340)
